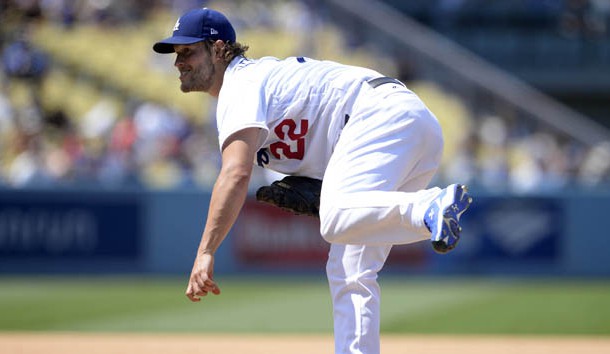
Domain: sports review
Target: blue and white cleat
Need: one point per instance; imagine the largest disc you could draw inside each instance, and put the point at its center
(443, 217)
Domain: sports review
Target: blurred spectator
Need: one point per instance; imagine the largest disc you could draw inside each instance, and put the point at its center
(300, 20)
(27, 168)
(492, 154)
(595, 169)
(159, 132)
(22, 61)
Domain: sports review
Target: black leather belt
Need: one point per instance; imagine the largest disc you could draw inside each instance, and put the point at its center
(378, 81)
(384, 80)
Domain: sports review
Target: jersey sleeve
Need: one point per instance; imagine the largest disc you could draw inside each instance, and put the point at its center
(240, 108)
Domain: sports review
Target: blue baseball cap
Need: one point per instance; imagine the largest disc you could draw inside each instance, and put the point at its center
(196, 26)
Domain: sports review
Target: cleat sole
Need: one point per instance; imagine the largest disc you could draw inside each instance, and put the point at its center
(448, 230)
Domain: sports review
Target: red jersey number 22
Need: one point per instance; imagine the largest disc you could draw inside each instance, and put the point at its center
(287, 131)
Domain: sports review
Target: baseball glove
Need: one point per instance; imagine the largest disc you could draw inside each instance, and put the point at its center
(295, 194)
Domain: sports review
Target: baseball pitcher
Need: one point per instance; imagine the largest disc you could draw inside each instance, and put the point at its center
(360, 150)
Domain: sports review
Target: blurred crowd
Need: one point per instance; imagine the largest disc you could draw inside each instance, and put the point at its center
(153, 146)
(143, 145)
(504, 155)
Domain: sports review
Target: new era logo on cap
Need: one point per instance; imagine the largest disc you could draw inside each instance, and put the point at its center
(195, 26)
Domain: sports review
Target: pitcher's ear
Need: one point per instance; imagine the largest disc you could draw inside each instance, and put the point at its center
(218, 48)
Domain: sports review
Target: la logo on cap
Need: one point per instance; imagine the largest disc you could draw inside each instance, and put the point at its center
(177, 25)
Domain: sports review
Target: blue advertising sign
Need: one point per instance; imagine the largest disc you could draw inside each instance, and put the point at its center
(528, 229)
(68, 225)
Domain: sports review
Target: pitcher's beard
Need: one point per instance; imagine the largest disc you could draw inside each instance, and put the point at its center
(188, 87)
(198, 81)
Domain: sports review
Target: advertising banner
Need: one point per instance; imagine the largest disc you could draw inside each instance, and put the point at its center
(56, 225)
(267, 237)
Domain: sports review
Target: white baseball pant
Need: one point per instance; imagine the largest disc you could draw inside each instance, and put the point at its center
(373, 197)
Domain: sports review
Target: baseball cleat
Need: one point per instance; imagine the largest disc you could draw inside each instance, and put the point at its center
(443, 216)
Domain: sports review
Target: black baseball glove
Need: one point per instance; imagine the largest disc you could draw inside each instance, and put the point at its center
(295, 194)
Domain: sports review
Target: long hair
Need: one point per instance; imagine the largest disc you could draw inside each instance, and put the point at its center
(231, 50)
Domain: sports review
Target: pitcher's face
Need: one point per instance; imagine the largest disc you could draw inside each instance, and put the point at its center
(194, 62)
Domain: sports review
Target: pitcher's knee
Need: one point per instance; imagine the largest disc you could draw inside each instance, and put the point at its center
(335, 227)
(327, 225)
(328, 222)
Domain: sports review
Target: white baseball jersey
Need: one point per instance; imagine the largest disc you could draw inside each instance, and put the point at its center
(375, 168)
(299, 103)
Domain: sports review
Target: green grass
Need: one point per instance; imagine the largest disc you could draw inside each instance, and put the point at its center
(525, 307)
(302, 305)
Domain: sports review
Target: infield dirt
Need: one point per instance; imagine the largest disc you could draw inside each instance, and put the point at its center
(93, 343)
